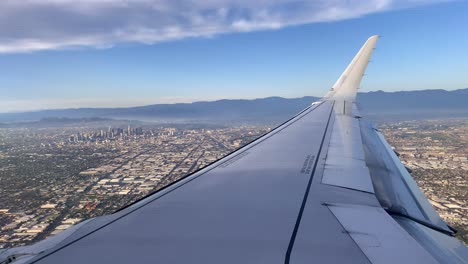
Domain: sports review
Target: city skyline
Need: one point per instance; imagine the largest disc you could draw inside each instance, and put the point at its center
(75, 172)
(293, 55)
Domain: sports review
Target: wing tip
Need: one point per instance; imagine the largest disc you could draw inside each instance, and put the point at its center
(373, 39)
(356, 70)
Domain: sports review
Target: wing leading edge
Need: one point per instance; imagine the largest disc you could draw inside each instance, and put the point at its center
(322, 187)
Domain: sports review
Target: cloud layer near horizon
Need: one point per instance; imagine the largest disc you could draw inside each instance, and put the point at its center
(32, 25)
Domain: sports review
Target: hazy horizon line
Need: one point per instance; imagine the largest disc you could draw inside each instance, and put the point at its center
(61, 104)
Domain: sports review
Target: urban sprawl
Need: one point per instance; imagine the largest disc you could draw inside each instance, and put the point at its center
(52, 178)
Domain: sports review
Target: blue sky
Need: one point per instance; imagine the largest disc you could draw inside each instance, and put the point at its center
(292, 50)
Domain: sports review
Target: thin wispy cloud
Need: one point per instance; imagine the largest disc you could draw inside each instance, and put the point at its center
(33, 25)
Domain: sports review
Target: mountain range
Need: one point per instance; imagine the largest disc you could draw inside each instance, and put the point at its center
(377, 105)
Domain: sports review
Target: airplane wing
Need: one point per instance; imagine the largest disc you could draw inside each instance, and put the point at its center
(323, 187)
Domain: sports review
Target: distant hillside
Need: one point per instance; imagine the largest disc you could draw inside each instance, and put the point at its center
(409, 104)
(414, 100)
(263, 110)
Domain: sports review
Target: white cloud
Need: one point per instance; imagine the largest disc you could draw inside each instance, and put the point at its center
(31, 25)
